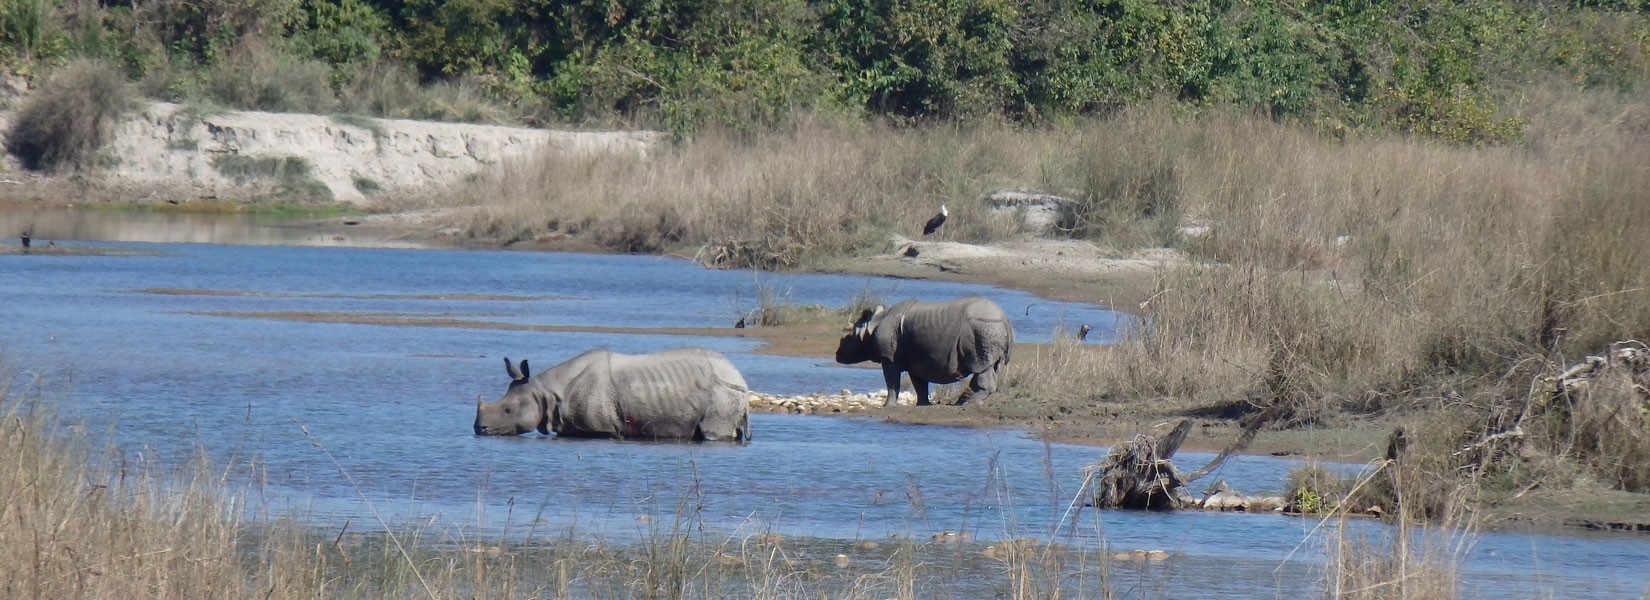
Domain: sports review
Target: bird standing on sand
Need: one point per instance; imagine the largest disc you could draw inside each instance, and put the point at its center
(1082, 333)
(935, 223)
(25, 238)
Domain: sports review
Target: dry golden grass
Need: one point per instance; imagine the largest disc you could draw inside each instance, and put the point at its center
(1414, 558)
(1345, 277)
(78, 523)
(1414, 563)
(1374, 275)
(815, 191)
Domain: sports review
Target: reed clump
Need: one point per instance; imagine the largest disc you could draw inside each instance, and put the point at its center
(1405, 561)
(1419, 556)
(84, 523)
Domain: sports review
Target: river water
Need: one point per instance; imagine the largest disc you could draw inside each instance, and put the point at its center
(346, 420)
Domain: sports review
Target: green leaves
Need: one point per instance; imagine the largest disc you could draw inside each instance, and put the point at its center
(922, 58)
(1423, 66)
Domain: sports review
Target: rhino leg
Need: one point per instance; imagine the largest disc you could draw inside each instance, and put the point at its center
(921, 386)
(980, 386)
(890, 375)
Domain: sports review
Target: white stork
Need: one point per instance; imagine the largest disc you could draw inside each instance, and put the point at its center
(935, 223)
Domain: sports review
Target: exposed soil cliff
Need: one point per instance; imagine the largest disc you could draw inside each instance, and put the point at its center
(180, 152)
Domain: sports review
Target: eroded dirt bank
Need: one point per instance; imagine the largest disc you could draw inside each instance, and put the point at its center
(166, 152)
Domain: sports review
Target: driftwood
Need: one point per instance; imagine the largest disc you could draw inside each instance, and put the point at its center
(1506, 434)
(1139, 473)
(1630, 356)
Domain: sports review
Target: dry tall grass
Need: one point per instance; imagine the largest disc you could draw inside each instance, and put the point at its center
(1409, 560)
(1367, 275)
(80, 523)
(817, 191)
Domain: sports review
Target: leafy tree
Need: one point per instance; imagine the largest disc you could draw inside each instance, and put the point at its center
(923, 58)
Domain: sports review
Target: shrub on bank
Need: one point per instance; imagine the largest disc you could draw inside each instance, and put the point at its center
(67, 121)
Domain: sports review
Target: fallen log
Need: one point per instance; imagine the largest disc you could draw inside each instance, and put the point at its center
(1139, 474)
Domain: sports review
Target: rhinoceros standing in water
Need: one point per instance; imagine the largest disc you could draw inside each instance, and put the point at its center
(936, 342)
(685, 393)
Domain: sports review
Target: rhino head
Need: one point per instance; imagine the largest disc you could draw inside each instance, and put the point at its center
(860, 343)
(521, 409)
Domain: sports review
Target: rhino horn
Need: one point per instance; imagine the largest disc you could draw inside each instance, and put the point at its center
(479, 402)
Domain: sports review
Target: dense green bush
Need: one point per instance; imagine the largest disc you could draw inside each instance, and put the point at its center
(924, 57)
(1430, 67)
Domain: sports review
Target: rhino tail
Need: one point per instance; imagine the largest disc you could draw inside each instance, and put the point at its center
(743, 433)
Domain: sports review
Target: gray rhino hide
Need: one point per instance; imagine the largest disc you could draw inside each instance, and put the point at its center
(686, 393)
(935, 342)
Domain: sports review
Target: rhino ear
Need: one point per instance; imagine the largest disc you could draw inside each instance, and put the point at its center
(868, 314)
(511, 369)
(525, 373)
(865, 327)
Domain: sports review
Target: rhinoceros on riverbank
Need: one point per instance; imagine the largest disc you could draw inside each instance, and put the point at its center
(936, 342)
(685, 394)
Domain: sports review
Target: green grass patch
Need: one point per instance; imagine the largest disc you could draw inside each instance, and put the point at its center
(272, 208)
(360, 121)
(290, 173)
(184, 121)
(366, 185)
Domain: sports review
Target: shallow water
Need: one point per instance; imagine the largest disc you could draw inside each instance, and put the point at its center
(392, 405)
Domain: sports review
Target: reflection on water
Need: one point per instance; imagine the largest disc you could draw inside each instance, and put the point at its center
(173, 227)
(393, 406)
